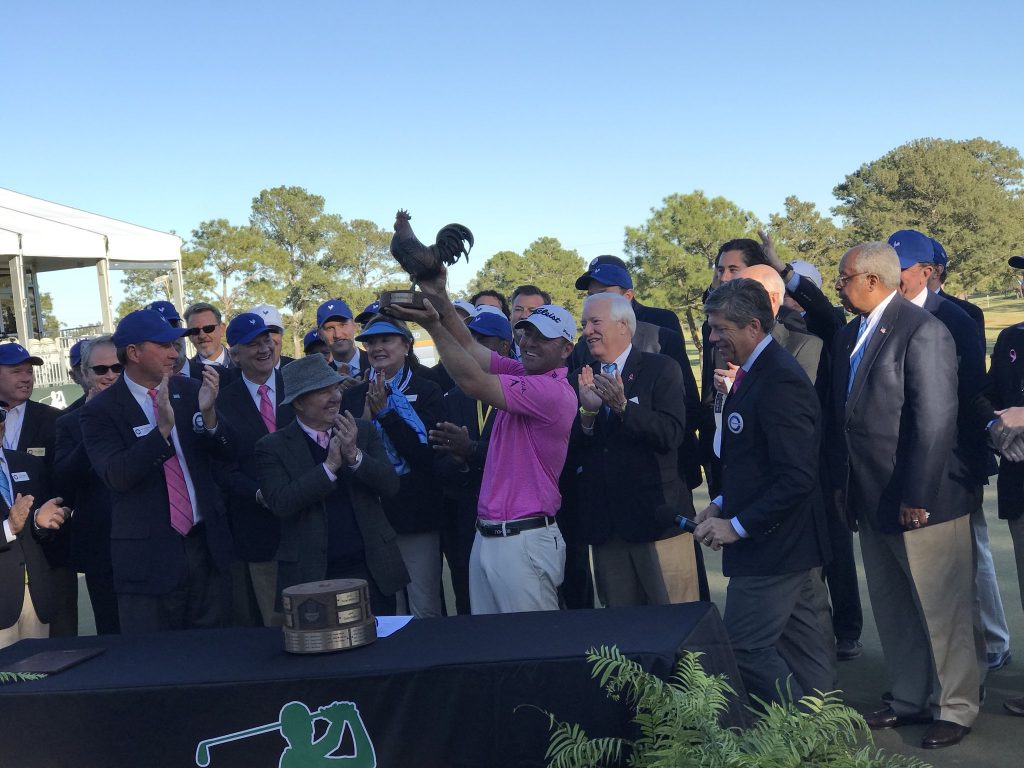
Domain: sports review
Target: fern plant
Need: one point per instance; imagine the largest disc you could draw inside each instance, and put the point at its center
(679, 726)
(19, 677)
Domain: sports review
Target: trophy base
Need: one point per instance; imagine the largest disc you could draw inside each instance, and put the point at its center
(410, 298)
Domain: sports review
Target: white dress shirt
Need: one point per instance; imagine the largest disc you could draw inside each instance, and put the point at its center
(619, 362)
(141, 395)
(254, 391)
(12, 433)
(10, 484)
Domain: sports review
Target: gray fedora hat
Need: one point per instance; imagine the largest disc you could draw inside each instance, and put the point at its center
(307, 374)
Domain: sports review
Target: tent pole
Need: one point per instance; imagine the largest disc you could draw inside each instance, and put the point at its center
(103, 275)
(177, 290)
(17, 266)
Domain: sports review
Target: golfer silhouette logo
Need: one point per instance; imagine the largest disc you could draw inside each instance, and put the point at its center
(297, 725)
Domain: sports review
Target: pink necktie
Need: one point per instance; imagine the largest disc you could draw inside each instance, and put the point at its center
(266, 408)
(323, 439)
(177, 492)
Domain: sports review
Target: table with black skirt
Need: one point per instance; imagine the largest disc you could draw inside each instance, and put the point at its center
(440, 692)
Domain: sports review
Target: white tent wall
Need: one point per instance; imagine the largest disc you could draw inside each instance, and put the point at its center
(39, 236)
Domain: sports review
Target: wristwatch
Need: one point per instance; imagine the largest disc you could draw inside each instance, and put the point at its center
(786, 273)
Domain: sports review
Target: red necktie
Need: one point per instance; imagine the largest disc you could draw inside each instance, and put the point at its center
(740, 373)
(266, 408)
(177, 492)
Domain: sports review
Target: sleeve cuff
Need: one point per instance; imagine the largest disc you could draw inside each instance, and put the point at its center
(794, 281)
(717, 501)
(7, 532)
(738, 527)
(330, 475)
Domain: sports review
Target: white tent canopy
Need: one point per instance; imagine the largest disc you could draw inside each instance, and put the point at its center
(40, 236)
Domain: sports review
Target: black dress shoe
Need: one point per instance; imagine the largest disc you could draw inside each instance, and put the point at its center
(943, 733)
(1016, 706)
(886, 718)
(848, 649)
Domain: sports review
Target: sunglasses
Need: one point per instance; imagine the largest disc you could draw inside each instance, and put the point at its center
(102, 370)
(207, 329)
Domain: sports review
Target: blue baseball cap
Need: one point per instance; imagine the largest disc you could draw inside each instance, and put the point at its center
(489, 324)
(246, 327)
(311, 338)
(145, 325)
(167, 310)
(912, 247)
(373, 308)
(382, 328)
(939, 253)
(15, 354)
(606, 273)
(332, 308)
(75, 353)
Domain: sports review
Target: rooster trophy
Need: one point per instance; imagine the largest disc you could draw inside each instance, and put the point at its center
(423, 261)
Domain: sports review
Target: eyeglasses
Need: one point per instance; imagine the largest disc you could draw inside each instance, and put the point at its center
(842, 280)
(207, 329)
(102, 370)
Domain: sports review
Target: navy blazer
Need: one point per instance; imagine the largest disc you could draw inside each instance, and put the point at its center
(625, 473)
(78, 485)
(148, 555)
(974, 410)
(254, 529)
(770, 434)
(663, 318)
(891, 441)
(28, 477)
(974, 312)
(1005, 389)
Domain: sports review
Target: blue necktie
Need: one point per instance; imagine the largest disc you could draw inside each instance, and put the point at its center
(856, 357)
(5, 488)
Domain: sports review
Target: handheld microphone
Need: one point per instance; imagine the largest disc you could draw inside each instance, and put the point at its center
(686, 524)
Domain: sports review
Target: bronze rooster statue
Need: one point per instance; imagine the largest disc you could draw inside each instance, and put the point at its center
(422, 261)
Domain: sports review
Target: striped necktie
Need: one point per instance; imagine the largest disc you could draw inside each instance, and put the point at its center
(5, 486)
(182, 517)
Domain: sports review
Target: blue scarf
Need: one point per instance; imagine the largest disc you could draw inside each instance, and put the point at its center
(399, 403)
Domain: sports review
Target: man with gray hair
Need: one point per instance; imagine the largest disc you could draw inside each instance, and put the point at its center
(631, 423)
(769, 515)
(893, 411)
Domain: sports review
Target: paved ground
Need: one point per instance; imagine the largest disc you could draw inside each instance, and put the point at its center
(998, 736)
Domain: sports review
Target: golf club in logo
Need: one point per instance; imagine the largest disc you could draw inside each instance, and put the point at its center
(297, 725)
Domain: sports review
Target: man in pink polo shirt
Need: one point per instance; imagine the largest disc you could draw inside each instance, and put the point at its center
(518, 557)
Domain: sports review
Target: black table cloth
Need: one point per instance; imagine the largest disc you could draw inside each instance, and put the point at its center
(441, 692)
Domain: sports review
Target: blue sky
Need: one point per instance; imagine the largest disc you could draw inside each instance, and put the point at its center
(520, 120)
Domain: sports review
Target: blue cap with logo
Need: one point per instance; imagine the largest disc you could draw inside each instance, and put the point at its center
(912, 247)
(332, 308)
(373, 308)
(145, 325)
(15, 354)
(246, 327)
(167, 310)
(607, 270)
(75, 353)
(384, 327)
(940, 256)
(310, 339)
(490, 324)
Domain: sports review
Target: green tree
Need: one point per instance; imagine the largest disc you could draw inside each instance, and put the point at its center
(51, 326)
(233, 257)
(672, 254)
(803, 233)
(298, 264)
(544, 263)
(966, 194)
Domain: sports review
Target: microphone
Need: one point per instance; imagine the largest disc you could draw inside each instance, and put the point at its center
(686, 524)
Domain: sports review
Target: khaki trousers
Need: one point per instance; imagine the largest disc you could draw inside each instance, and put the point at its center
(27, 626)
(646, 573)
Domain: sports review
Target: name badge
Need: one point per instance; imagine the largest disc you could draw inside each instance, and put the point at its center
(735, 423)
(36, 451)
(19, 477)
(142, 431)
